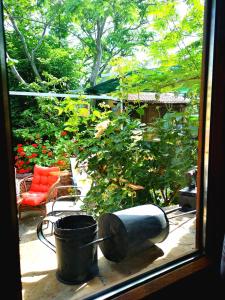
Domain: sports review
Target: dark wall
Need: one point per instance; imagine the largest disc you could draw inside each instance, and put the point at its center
(202, 285)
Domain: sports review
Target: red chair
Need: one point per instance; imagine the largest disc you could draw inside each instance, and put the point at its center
(39, 189)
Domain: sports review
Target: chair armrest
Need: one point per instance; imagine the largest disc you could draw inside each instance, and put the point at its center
(71, 190)
(75, 187)
(25, 183)
(74, 192)
(72, 199)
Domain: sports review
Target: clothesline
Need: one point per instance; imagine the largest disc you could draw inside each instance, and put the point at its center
(36, 94)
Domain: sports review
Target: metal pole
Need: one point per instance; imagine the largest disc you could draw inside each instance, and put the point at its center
(186, 213)
(172, 210)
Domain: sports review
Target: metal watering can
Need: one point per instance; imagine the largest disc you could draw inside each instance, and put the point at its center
(118, 234)
(129, 228)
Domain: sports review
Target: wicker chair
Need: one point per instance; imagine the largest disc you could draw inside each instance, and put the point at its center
(38, 189)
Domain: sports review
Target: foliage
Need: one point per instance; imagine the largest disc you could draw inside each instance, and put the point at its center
(36, 44)
(106, 29)
(36, 118)
(83, 35)
(44, 153)
(177, 50)
(71, 45)
(78, 40)
(38, 124)
(130, 163)
(173, 145)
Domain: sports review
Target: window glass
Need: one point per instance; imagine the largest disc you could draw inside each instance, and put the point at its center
(108, 92)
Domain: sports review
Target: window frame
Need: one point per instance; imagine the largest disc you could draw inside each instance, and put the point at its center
(8, 210)
(211, 171)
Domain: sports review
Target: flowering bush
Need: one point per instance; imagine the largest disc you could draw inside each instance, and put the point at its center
(45, 153)
(130, 163)
(22, 161)
(39, 136)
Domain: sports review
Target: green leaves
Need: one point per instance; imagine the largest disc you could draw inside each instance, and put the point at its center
(130, 163)
(76, 44)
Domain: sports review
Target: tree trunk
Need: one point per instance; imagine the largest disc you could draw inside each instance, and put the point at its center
(15, 72)
(98, 57)
(30, 56)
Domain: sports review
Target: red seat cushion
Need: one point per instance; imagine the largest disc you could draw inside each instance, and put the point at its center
(42, 181)
(33, 199)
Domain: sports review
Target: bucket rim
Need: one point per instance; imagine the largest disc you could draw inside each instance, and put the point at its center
(78, 228)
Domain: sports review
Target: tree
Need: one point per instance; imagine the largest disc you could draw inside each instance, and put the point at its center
(36, 47)
(105, 29)
(76, 41)
(177, 49)
(95, 31)
(172, 61)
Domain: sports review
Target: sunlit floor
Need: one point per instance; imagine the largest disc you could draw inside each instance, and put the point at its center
(39, 263)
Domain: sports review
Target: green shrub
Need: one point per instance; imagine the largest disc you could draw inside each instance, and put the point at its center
(131, 163)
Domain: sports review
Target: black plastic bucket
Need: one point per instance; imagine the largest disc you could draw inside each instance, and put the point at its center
(77, 261)
(128, 229)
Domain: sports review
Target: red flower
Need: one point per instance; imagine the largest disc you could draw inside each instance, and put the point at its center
(60, 162)
(63, 133)
(22, 171)
(19, 163)
(20, 150)
(35, 145)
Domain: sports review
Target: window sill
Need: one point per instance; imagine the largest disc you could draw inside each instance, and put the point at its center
(162, 281)
(114, 278)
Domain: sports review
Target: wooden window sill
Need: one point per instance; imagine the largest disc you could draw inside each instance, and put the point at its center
(165, 280)
(37, 259)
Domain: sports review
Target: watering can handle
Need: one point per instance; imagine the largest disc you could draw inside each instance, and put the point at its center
(96, 241)
(41, 235)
